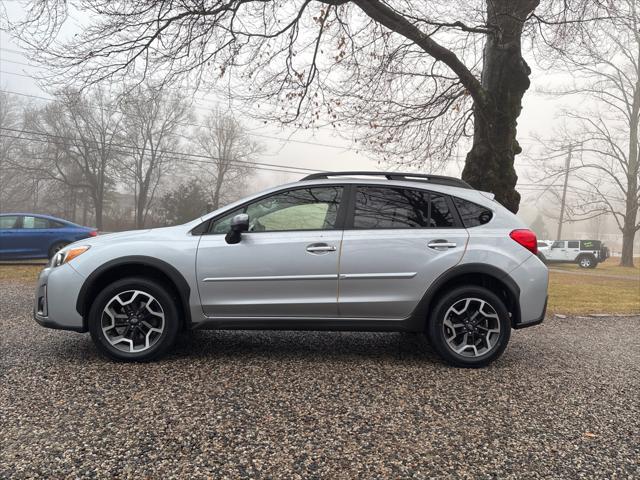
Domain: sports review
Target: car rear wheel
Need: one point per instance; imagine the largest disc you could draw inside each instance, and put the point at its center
(56, 247)
(587, 261)
(469, 327)
(134, 319)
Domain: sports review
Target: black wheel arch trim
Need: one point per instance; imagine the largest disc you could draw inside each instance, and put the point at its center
(181, 285)
(422, 310)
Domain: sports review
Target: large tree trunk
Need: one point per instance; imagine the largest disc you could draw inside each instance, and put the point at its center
(98, 204)
(140, 207)
(631, 205)
(505, 79)
(628, 236)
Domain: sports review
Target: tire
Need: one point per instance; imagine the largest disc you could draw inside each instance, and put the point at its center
(56, 247)
(587, 261)
(444, 339)
(542, 258)
(150, 324)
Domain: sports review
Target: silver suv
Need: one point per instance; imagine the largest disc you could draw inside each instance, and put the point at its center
(356, 251)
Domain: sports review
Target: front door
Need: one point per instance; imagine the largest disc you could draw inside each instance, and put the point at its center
(399, 242)
(11, 242)
(558, 251)
(286, 265)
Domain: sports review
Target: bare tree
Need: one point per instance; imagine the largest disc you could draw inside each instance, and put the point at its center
(413, 76)
(605, 65)
(15, 189)
(73, 141)
(228, 148)
(153, 121)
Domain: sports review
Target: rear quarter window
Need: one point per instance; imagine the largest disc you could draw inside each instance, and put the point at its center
(471, 213)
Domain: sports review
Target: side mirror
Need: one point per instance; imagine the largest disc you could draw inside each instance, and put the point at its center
(239, 224)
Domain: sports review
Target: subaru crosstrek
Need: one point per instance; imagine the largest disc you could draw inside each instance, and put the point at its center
(357, 251)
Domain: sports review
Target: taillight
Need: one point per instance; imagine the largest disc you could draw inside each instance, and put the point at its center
(527, 239)
(93, 233)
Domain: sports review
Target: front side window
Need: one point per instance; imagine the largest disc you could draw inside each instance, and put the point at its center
(34, 222)
(8, 222)
(397, 208)
(313, 208)
(558, 244)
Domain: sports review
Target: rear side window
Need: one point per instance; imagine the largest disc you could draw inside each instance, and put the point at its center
(8, 222)
(574, 244)
(34, 222)
(471, 213)
(398, 208)
(589, 245)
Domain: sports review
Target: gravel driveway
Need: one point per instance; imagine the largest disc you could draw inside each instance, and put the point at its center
(562, 402)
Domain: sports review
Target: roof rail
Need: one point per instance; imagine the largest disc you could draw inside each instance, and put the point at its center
(411, 177)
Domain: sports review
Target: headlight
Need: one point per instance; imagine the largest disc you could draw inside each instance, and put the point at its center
(65, 256)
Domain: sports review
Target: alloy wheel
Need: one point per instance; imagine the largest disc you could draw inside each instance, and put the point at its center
(471, 327)
(132, 321)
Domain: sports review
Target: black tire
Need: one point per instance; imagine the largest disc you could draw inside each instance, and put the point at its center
(56, 247)
(587, 261)
(436, 329)
(167, 303)
(542, 258)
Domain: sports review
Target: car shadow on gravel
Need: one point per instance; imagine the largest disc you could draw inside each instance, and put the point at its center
(226, 345)
(301, 345)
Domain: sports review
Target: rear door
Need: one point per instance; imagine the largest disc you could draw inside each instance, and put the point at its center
(397, 242)
(285, 266)
(573, 250)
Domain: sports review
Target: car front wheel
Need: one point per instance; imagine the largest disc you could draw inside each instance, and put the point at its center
(56, 247)
(134, 319)
(469, 327)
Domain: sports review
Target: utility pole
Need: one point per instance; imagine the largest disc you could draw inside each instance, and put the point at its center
(567, 166)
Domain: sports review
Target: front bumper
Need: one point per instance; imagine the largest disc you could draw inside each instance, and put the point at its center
(55, 299)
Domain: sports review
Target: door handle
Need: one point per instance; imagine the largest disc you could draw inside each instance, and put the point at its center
(320, 248)
(438, 244)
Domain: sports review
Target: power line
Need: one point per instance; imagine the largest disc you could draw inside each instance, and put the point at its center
(259, 135)
(173, 152)
(178, 155)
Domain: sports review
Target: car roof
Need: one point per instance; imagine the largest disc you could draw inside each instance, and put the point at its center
(413, 177)
(40, 215)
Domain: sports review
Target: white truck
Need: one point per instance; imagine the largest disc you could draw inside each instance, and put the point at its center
(586, 253)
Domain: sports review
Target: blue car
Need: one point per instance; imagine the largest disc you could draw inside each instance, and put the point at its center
(28, 235)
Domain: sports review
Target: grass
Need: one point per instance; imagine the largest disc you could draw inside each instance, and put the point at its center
(579, 295)
(23, 273)
(610, 267)
(568, 293)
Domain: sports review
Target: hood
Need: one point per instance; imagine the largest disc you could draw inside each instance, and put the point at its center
(108, 237)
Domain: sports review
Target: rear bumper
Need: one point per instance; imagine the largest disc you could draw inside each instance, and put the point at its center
(536, 321)
(532, 278)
